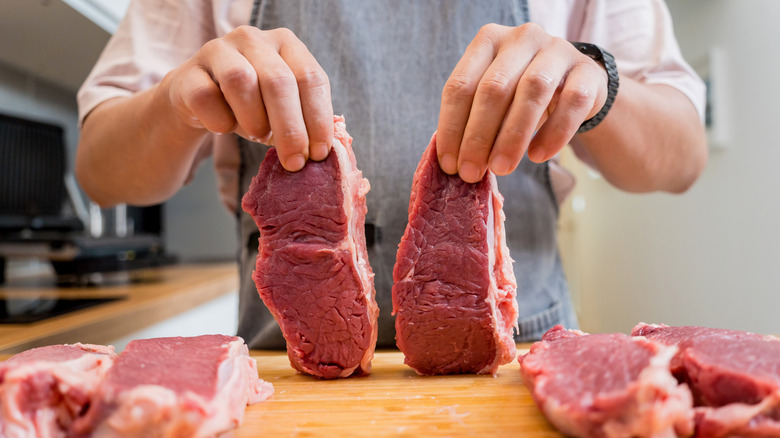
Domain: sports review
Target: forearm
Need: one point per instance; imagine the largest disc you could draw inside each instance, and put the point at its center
(651, 140)
(135, 150)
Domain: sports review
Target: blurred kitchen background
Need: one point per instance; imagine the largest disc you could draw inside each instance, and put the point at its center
(708, 257)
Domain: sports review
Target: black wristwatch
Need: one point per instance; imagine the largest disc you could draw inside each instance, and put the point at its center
(608, 61)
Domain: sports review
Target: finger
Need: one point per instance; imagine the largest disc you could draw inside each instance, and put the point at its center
(458, 95)
(203, 102)
(238, 81)
(576, 99)
(279, 91)
(314, 89)
(492, 99)
(534, 95)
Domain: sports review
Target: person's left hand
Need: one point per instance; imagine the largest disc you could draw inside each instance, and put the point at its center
(510, 83)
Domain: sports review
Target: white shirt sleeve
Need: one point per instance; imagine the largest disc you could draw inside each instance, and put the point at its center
(154, 37)
(638, 33)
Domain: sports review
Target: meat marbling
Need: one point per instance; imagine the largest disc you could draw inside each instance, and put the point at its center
(43, 390)
(734, 376)
(606, 385)
(454, 287)
(175, 387)
(312, 269)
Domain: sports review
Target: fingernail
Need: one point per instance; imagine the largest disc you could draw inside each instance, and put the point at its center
(318, 151)
(449, 164)
(295, 163)
(537, 154)
(469, 172)
(500, 164)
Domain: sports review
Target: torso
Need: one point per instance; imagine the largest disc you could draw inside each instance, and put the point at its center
(390, 94)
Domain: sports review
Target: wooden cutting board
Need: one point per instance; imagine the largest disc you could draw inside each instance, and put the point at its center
(393, 401)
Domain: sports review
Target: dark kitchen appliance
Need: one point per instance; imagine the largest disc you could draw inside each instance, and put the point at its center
(42, 215)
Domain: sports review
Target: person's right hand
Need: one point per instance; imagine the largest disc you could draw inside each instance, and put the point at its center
(255, 83)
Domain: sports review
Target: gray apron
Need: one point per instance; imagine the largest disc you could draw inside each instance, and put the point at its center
(387, 62)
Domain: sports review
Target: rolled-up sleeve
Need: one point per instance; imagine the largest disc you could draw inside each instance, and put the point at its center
(154, 37)
(638, 33)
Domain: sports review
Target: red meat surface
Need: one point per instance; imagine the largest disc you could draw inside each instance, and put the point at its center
(43, 390)
(734, 376)
(312, 269)
(606, 385)
(454, 287)
(175, 387)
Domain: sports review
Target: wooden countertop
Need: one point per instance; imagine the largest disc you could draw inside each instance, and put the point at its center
(393, 401)
(152, 296)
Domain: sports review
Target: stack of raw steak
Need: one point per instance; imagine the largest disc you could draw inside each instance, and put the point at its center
(454, 291)
(312, 268)
(734, 377)
(43, 390)
(611, 385)
(164, 387)
(606, 385)
(176, 387)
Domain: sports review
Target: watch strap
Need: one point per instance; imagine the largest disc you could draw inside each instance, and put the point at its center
(608, 61)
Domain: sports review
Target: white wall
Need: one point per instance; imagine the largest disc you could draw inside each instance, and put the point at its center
(711, 256)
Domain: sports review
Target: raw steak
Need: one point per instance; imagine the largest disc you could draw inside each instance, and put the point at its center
(312, 268)
(44, 389)
(175, 387)
(734, 377)
(606, 385)
(454, 291)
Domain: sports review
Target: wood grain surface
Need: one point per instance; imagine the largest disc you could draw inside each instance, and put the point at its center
(393, 401)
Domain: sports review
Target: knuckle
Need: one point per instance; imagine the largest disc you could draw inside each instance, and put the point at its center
(244, 32)
(529, 31)
(203, 96)
(312, 78)
(491, 31)
(210, 47)
(529, 28)
(591, 67)
(459, 87)
(578, 96)
(488, 35)
(239, 77)
(282, 34)
(496, 85)
(539, 86)
(279, 83)
(563, 45)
